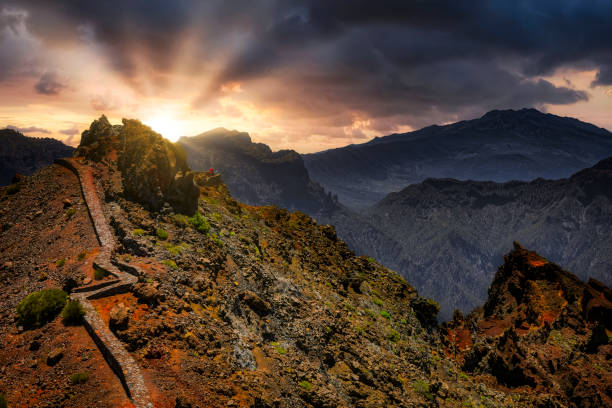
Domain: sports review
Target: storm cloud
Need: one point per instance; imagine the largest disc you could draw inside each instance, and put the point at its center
(394, 62)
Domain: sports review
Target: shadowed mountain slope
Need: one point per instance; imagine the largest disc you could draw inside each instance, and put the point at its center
(448, 235)
(500, 146)
(25, 155)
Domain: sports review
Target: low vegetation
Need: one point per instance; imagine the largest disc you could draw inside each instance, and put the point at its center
(79, 378)
(60, 262)
(161, 234)
(200, 223)
(306, 385)
(70, 212)
(170, 263)
(3, 403)
(41, 307)
(73, 312)
(138, 232)
(99, 273)
(422, 387)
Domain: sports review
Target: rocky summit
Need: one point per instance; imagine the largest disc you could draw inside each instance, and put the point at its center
(193, 299)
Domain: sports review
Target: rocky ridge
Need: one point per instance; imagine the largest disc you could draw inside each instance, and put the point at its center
(240, 306)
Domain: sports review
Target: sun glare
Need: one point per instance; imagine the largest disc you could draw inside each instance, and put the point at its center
(168, 127)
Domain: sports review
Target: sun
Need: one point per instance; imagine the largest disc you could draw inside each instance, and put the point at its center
(167, 126)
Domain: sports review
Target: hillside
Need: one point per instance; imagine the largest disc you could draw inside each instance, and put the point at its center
(255, 174)
(500, 146)
(223, 305)
(25, 155)
(449, 235)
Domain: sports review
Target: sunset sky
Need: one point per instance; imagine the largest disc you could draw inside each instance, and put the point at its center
(307, 75)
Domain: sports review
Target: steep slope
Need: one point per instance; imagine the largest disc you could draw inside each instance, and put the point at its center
(25, 155)
(541, 328)
(500, 146)
(255, 174)
(448, 235)
(234, 306)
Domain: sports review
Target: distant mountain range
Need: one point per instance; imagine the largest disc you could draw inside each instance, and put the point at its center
(25, 155)
(446, 236)
(500, 146)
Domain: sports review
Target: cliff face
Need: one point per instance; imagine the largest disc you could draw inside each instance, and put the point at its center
(541, 328)
(500, 146)
(154, 171)
(20, 154)
(447, 236)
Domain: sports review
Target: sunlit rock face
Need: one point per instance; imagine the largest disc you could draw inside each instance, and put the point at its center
(154, 171)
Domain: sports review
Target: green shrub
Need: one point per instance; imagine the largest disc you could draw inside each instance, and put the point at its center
(40, 307)
(393, 336)
(99, 273)
(305, 385)
(422, 387)
(60, 262)
(161, 234)
(78, 378)
(170, 263)
(73, 312)
(385, 314)
(138, 232)
(370, 259)
(70, 212)
(81, 255)
(200, 223)
(3, 403)
(377, 301)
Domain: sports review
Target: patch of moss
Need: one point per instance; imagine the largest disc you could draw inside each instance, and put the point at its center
(161, 234)
(279, 349)
(385, 314)
(81, 255)
(170, 263)
(138, 232)
(378, 302)
(60, 262)
(79, 378)
(180, 220)
(70, 212)
(305, 385)
(3, 402)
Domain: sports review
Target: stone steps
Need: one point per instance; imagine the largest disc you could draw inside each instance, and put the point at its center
(114, 352)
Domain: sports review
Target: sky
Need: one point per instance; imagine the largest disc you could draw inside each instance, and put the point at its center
(299, 74)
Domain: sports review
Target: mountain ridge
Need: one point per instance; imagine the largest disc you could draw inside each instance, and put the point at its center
(20, 154)
(500, 146)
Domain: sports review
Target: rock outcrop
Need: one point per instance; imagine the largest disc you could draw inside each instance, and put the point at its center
(541, 328)
(154, 170)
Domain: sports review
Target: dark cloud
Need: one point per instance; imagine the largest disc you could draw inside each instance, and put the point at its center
(410, 60)
(50, 83)
(30, 129)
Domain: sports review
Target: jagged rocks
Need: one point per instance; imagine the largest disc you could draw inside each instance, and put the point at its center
(154, 170)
